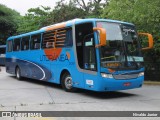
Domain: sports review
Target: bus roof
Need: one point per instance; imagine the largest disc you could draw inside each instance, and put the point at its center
(78, 21)
(25, 34)
(67, 24)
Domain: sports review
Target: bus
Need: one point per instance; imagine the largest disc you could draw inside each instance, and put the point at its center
(92, 54)
(2, 54)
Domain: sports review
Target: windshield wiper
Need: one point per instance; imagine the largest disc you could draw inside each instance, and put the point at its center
(125, 54)
(136, 64)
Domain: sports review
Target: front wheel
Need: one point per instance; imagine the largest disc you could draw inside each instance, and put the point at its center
(67, 83)
(18, 73)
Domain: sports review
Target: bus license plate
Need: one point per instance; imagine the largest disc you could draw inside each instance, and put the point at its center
(127, 84)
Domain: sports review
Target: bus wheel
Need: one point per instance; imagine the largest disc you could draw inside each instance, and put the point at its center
(18, 73)
(67, 83)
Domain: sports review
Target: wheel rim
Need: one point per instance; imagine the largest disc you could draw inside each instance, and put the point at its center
(68, 82)
(17, 73)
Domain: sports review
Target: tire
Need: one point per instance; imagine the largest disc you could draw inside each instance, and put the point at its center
(18, 73)
(66, 83)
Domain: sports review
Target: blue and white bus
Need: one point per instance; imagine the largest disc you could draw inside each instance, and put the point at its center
(92, 54)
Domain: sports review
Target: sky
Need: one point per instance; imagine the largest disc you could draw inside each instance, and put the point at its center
(22, 6)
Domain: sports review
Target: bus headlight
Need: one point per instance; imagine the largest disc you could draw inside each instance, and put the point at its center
(141, 74)
(106, 75)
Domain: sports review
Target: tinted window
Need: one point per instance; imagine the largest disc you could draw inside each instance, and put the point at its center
(61, 38)
(69, 40)
(58, 38)
(9, 46)
(64, 38)
(16, 44)
(35, 41)
(48, 39)
(25, 43)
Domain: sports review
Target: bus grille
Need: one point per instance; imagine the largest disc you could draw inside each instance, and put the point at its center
(125, 76)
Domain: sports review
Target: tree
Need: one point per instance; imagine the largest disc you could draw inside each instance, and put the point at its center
(34, 19)
(92, 8)
(143, 13)
(66, 11)
(39, 17)
(63, 11)
(8, 22)
(119, 9)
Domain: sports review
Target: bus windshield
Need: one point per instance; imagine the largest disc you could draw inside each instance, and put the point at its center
(122, 50)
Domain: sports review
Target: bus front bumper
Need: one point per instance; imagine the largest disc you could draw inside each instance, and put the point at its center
(111, 84)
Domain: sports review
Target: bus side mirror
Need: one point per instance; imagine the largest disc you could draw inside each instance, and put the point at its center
(150, 40)
(102, 36)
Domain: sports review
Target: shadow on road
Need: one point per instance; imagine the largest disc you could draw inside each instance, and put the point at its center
(107, 95)
(38, 82)
(86, 93)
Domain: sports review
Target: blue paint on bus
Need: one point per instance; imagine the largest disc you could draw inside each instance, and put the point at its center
(49, 64)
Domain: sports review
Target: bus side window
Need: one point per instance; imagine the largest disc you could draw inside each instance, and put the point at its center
(48, 40)
(9, 46)
(25, 43)
(57, 38)
(60, 38)
(16, 46)
(69, 39)
(35, 41)
(64, 38)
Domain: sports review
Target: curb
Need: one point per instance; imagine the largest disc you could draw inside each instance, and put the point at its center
(151, 83)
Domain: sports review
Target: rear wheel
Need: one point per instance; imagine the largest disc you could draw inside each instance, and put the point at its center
(67, 83)
(18, 73)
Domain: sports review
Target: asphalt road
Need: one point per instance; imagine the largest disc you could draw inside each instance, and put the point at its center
(33, 95)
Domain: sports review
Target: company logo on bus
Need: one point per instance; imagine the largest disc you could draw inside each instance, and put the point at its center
(55, 55)
(61, 57)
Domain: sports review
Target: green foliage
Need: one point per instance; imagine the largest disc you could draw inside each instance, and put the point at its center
(8, 22)
(119, 9)
(92, 8)
(64, 12)
(39, 17)
(145, 14)
(34, 19)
